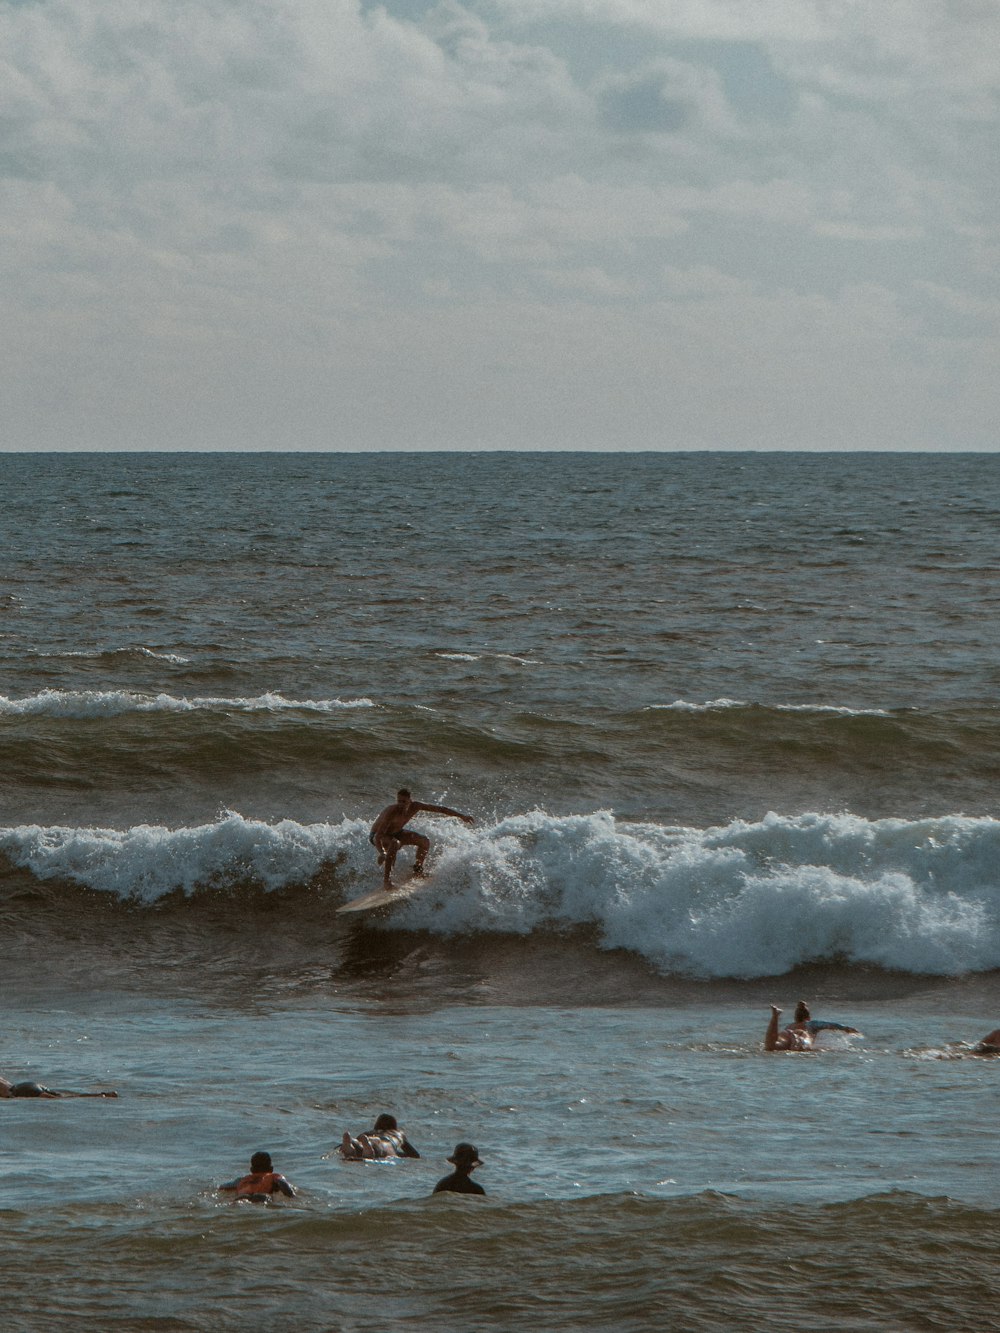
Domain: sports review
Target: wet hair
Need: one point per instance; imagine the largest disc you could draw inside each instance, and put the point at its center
(402, 794)
(261, 1161)
(802, 1014)
(385, 1121)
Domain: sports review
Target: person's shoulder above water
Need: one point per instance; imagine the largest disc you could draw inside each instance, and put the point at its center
(465, 1159)
(990, 1044)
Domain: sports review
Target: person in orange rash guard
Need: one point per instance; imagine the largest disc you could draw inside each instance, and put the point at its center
(262, 1182)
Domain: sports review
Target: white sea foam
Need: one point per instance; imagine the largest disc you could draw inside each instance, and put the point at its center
(145, 862)
(135, 650)
(116, 703)
(742, 900)
(720, 705)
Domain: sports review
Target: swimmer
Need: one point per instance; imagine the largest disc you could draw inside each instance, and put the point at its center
(791, 1039)
(8, 1089)
(465, 1159)
(990, 1044)
(384, 1139)
(803, 1021)
(389, 832)
(262, 1182)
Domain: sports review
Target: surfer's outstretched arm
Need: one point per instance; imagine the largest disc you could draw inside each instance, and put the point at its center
(443, 810)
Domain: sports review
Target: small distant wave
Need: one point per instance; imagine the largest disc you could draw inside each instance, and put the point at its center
(496, 657)
(114, 654)
(116, 703)
(720, 705)
(741, 900)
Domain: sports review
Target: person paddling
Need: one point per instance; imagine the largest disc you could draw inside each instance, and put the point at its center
(261, 1183)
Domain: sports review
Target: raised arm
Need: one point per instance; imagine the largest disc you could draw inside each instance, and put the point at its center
(442, 810)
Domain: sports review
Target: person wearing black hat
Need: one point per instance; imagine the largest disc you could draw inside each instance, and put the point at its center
(465, 1159)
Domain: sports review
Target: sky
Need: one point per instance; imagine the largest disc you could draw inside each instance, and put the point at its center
(499, 224)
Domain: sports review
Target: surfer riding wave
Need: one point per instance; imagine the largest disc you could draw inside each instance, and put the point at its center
(389, 832)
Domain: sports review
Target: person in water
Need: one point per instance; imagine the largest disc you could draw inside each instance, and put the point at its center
(465, 1159)
(990, 1044)
(389, 832)
(804, 1021)
(790, 1038)
(801, 1033)
(8, 1089)
(262, 1182)
(384, 1139)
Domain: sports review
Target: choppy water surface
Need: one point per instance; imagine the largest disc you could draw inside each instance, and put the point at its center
(729, 728)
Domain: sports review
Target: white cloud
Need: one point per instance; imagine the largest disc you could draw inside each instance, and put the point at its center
(238, 222)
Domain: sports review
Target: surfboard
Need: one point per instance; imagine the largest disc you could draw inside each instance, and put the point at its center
(383, 898)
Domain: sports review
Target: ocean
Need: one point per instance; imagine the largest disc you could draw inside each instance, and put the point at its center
(728, 725)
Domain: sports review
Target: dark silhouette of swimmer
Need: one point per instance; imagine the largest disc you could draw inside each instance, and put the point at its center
(465, 1159)
(8, 1089)
(384, 1139)
(389, 832)
(262, 1182)
(990, 1044)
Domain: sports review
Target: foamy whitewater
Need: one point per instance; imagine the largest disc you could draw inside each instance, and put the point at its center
(729, 729)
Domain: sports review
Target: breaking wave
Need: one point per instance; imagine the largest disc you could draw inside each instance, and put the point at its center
(742, 900)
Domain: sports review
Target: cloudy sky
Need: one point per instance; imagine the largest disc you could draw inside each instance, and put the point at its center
(614, 224)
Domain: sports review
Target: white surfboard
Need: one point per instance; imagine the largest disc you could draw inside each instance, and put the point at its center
(385, 897)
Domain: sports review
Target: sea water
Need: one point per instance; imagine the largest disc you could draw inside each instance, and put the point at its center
(728, 727)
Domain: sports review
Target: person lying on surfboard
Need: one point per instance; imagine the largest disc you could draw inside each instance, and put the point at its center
(800, 1034)
(384, 1139)
(262, 1182)
(8, 1089)
(389, 832)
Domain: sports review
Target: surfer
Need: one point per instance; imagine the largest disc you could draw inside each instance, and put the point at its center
(465, 1159)
(800, 1033)
(804, 1021)
(384, 1139)
(990, 1044)
(8, 1089)
(261, 1183)
(790, 1038)
(389, 832)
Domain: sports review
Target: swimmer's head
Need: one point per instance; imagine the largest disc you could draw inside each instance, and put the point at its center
(403, 794)
(465, 1155)
(802, 1014)
(261, 1161)
(385, 1121)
